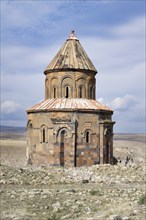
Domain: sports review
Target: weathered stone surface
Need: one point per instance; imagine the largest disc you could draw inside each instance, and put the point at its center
(70, 128)
(64, 196)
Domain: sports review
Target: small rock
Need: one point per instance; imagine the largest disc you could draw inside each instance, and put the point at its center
(56, 206)
(44, 196)
(126, 218)
(20, 170)
(117, 218)
(85, 181)
(114, 217)
(133, 213)
(12, 196)
(46, 207)
(71, 190)
(66, 217)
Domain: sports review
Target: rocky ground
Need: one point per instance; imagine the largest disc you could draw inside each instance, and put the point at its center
(103, 192)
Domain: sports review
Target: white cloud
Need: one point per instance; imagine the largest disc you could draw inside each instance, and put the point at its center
(133, 29)
(101, 100)
(120, 61)
(8, 107)
(23, 14)
(26, 89)
(129, 114)
(123, 104)
(114, 54)
(119, 57)
(26, 59)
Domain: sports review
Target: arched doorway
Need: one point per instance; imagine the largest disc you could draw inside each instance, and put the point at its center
(62, 143)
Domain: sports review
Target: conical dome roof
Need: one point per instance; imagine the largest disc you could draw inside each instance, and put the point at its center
(71, 56)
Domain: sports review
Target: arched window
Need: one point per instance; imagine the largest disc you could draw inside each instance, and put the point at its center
(80, 91)
(54, 92)
(91, 92)
(66, 91)
(87, 136)
(30, 126)
(91, 88)
(43, 135)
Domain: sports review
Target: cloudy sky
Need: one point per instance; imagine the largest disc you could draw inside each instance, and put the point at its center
(111, 31)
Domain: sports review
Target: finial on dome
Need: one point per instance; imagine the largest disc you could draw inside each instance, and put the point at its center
(72, 35)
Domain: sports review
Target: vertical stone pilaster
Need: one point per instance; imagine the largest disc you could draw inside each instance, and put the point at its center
(101, 130)
(59, 88)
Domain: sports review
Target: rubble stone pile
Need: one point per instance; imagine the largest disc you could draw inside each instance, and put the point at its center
(98, 192)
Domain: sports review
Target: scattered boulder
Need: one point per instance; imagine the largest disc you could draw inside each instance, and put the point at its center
(85, 181)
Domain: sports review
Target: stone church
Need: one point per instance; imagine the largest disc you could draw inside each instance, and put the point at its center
(70, 128)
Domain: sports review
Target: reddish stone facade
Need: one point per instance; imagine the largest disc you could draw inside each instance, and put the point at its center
(70, 128)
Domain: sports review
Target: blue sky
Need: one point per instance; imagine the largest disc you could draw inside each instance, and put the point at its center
(111, 32)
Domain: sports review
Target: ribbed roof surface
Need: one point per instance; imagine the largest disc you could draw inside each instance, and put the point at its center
(72, 104)
(71, 56)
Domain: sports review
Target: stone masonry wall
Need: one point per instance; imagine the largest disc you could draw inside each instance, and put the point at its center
(70, 138)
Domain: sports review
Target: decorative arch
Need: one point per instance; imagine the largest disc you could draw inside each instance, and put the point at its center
(47, 88)
(67, 130)
(54, 87)
(67, 87)
(81, 87)
(79, 78)
(90, 91)
(90, 78)
(81, 91)
(91, 88)
(87, 135)
(54, 77)
(66, 76)
(44, 134)
(29, 124)
(107, 132)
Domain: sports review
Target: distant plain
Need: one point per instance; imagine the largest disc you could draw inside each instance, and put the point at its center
(13, 146)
